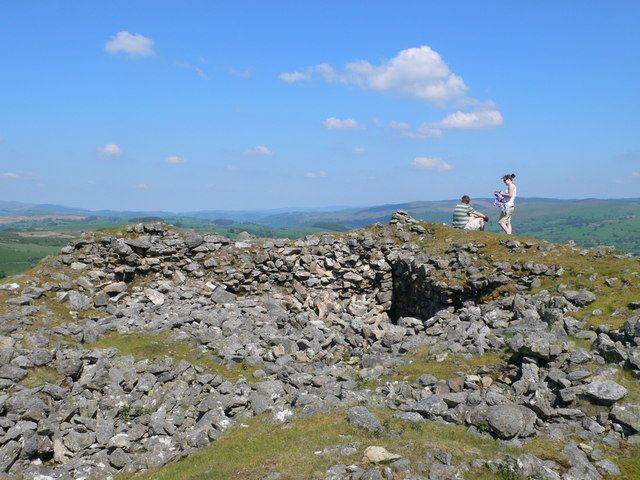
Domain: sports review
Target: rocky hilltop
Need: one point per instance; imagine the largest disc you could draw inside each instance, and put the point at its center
(428, 353)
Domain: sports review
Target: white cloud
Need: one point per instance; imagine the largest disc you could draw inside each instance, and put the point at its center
(142, 186)
(425, 130)
(635, 174)
(317, 174)
(259, 150)
(323, 69)
(333, 122)
(110, 150)
(291, 77)
(174, 160)
(417, 72)
(398, 125)
(360, 150)
(482, 119)
(134, 44)
(9, 175)
(432, 163)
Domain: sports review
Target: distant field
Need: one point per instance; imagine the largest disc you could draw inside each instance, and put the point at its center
(16, 256)
(24, 243)
(587, 222)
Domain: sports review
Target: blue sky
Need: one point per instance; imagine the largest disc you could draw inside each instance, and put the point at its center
(263, 104)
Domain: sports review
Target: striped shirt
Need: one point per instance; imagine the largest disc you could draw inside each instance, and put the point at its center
(461, 215)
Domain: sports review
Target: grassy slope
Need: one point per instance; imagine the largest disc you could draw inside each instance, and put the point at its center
(587, 222)
(19, 257)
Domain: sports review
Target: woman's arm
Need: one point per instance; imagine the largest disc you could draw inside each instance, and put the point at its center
(509, 192)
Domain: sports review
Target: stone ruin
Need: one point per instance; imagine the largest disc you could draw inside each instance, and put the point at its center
(312, 320)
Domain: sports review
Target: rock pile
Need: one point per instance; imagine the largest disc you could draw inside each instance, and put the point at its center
(310, 319)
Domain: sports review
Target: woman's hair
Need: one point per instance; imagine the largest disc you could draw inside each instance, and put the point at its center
(465, 199)
(509, 176)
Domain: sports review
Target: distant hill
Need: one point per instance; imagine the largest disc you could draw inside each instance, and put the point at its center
(588, 221)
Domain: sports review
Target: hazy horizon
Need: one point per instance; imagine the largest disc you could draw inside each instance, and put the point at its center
(286, 209)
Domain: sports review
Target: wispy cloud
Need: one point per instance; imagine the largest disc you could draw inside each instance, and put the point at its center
(359, 150)
(110, 150)
(457, 120)
(240, 72)
(174, 160)
(482, 119)
(432, 163)
(425, 130)
(132, 44)
(324, 70)
(635, 174)
(317, 174)
(259, 150)
(291, 77)
(142, 186)
(333, 122)
(398, 125)
(194, 68)
(10, 175)
(416, 72)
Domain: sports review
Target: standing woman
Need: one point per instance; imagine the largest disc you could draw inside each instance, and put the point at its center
(510, 194)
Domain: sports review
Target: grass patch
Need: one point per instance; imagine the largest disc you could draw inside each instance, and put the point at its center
(584, 343)
(17, 257)
(154, 346)
(257, 447)
(39, 376)
(627, 457)
(421, 361)
(629, 381)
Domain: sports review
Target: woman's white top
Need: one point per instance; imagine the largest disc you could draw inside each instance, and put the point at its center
(511, 203)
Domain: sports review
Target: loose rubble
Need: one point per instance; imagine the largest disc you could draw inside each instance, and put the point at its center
(311, 318)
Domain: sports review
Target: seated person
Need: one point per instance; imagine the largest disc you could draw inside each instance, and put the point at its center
(465, 217)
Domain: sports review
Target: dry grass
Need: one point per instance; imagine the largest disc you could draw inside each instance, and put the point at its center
(421, 361)
(39, 376)
(158, 345)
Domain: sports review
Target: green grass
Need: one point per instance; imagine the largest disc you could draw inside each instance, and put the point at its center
(249, 452)
(39, 376)
(629, 381)
(421, 361)
(154, 346)
(20, 257)
(627, 457)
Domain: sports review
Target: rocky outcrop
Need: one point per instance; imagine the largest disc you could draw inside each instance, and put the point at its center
(309, 320)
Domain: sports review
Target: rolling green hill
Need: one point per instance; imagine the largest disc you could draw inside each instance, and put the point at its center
(24, 239)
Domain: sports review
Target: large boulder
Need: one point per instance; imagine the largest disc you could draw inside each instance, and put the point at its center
(509, 420)
(627, 414)
(362, 417)
(605, 392)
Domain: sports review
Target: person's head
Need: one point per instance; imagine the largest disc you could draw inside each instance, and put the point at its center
(509, 177)
(465, 199)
